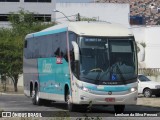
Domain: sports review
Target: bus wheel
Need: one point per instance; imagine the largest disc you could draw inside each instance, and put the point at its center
(119, 108)
(70, 106)
(35, 99)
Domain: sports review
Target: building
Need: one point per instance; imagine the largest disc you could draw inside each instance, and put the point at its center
(43, 9)
(75, 1)
(150, 36)
(109, 12)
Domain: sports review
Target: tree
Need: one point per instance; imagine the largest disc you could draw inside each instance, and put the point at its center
(4, 54)
(11, 43)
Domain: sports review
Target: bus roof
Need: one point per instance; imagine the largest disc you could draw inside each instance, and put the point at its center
(86, 29)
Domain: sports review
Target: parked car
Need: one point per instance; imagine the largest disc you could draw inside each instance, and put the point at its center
(148, 87)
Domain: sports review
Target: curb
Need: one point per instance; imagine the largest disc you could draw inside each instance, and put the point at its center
(1, 93)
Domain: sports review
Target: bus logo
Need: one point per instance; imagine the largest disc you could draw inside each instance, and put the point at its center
(47, 67)
(110, 93)
(114, 77)
(59, 60)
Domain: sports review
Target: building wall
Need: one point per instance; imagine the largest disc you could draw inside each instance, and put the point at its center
(117, 13)
(139, 32)
(151, 37)
(36, 7)
(74, 1)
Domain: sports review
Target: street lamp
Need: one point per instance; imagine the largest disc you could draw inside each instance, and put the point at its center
(62, 14)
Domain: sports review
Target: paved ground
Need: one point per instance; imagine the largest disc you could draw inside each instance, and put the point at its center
(22, 103)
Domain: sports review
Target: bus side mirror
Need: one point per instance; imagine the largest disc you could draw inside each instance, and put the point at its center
(141, 54)
(76, 50)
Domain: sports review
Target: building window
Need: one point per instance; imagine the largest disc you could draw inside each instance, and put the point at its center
(37, 0)
(137, 20)
(38, 17)
(43, 17)
(9, 0)
(3, 17)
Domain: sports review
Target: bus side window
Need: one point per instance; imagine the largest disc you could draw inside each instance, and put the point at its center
(57, 52)
(72, 60)
(56, 44)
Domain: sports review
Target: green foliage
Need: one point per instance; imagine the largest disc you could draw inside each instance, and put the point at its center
(11, 42)
(87, 19)
(24, 22)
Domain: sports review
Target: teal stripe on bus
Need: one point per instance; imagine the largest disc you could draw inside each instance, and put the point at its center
(49, 32)
(108, 88)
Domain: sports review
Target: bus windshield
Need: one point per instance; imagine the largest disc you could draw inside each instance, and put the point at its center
(107, 59)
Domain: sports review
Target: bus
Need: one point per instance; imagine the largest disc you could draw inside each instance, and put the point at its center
(77, 63)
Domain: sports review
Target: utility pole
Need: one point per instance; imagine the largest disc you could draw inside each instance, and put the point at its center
(78, 17)
(62, 14)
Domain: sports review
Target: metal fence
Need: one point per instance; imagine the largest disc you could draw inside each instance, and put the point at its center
(149, 71)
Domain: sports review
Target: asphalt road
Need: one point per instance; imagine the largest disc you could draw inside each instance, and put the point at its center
(22, 103)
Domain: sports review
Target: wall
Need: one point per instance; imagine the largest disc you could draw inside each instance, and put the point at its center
(117, 13)
(152, 39)
(36, 7)
(151, 36)
(74, 1)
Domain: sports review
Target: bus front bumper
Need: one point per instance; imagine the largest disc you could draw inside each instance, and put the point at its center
(95, 99)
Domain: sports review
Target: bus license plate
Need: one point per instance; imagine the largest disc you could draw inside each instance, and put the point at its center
(110, 99)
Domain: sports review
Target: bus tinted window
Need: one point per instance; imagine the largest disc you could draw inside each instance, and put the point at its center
(47, 46)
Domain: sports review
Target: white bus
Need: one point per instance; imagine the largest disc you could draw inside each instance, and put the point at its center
(81, 63)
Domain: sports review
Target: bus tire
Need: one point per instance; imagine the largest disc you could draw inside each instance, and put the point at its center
(33, 99)
(119, 108)
(36, 100)
(70, 106)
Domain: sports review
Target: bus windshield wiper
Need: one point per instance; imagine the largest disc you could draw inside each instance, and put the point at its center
(100, 77)
(120, 74)
(97, 77)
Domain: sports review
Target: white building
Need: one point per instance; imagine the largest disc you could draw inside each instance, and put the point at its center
(43, 9)
(151, 37)
(110, 12)
(75, 1)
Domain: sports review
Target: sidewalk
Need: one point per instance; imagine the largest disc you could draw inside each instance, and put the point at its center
(3, 93)
(10, 90)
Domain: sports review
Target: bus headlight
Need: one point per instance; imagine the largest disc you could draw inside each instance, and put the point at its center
(85, 89)
(133, 89)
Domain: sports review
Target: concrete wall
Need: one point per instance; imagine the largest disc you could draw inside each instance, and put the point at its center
(20, 80)
(139, 32)
(117, 13)
(150, 35)
(154, 78)
(152, 40)
(75, 1)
